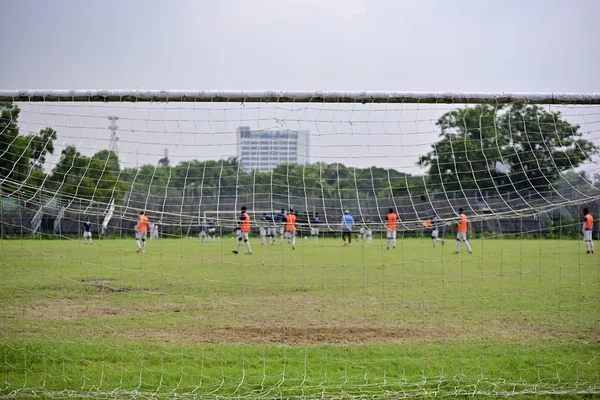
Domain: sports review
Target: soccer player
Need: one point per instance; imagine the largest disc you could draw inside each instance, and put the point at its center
(368, 234)
(435, 230)
(262, 227)
(391, 225)
(154, 231)
(314, 227)
(587, 229)
(203, 236)
(290, 229)
(87, 231)
(362, 233)
(271, 229)
(244, 230)
(461, 231)
(347, 222)
(141, 232)
(212, 229)
(280, 219)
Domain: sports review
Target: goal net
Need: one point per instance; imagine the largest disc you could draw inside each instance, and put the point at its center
(439, 244)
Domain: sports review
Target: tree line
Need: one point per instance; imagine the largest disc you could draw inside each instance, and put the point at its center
(531, 145)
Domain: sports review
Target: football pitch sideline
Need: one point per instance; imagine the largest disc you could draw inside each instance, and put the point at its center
(191, 318)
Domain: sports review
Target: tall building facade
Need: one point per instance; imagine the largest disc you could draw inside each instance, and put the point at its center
(264, 150)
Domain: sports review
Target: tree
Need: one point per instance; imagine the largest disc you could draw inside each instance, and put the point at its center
(91, 178)
(20, 154)
(41, 144)
(534, 144)
(14, 152)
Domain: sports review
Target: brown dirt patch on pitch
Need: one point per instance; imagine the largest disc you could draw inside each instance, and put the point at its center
(288, 335)
(329, 335)
(63, 309)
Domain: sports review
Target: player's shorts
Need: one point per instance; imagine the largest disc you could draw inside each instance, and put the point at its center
(587, 236)
(271, 231)
(314, 231)
(434, 234)
(361, 230)
(211, 230)
(368, 232)
(290, 234)
(139, 235)
(390, 234)
(242, 235)
(281, 230)
(263, 231)
(461, 236)
(202, 234)
(87, 234)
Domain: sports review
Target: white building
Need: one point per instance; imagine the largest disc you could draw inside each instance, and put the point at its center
(264, 150)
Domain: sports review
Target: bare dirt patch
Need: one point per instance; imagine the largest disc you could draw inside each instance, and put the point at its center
(329, 335)
(105, 285)
(285, 335)
(63, 309)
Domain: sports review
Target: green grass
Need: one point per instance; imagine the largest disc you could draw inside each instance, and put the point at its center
(185, 318)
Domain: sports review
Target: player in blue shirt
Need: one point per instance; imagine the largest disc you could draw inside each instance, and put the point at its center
(211, 229)
(314, 227)
(435, 230)
(347, 222)
(87, 231)
(262, 228)
(203, 236)
(271, 229)
(280, 219)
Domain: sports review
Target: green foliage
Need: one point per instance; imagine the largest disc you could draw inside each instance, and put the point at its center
(534, 143)
(41, 145)
(225, 178)
(92, 178)
(22, 156)
(14, 151)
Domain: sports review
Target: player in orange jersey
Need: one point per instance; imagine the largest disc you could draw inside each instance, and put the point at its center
(141, 231)
(290, 229)
(244, 230)
(461, 231)
(391, 225)
(587, 229)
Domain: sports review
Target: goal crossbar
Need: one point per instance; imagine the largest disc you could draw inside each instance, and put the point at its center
(296, 96)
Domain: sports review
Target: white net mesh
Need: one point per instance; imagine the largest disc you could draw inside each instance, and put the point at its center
(321, 318)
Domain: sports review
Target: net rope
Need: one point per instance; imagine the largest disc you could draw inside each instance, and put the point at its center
(187, 318)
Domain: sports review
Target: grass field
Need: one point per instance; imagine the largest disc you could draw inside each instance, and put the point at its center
(191, 318)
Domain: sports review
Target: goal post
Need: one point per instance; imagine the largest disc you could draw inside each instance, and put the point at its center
(451, 244)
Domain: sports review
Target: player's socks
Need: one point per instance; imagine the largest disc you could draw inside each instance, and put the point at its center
(457, 246)
(248, 247)
(237, 247)
(468, 246)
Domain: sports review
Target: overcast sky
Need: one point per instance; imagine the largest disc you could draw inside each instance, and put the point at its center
(468, 45)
